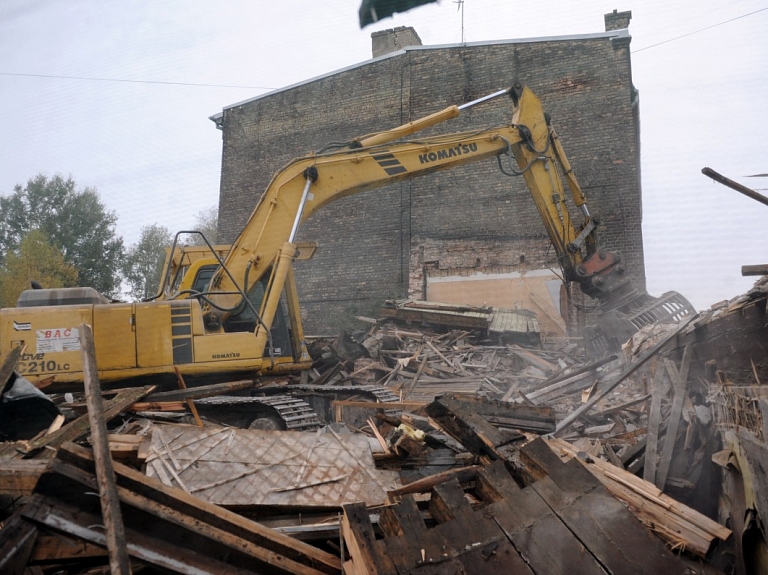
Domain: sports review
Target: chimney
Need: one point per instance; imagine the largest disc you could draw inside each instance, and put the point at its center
(617, 20)
(392, 40)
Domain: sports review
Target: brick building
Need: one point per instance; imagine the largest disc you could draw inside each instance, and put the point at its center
(388, 242)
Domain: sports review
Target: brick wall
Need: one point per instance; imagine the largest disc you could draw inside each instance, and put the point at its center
(373, 245)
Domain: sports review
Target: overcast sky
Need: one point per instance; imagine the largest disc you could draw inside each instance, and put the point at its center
(118, 95)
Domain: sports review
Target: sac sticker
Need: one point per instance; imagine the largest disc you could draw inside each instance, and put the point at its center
(57, 339)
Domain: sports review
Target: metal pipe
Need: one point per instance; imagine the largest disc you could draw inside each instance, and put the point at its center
(300, 211)
(484, 99)
(448, 113)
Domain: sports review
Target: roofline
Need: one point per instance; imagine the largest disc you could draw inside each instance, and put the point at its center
(622, 33)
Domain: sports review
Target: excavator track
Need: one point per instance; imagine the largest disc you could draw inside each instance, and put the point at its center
(294, 413)
(375, 393)
(321, 397)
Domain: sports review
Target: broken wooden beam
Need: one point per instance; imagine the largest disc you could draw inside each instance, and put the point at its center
(678, 524)
(368, 555)
(654, 420)
(200, 391)
(467, 427)
(209, 516)
(105, 474)
(679, 379)
(78, 428)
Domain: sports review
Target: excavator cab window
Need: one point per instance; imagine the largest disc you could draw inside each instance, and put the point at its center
(203, 278)
(245, 320)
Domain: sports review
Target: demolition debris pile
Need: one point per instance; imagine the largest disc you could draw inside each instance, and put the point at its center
(432, 446)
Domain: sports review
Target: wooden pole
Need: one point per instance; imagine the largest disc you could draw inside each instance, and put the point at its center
(668, 449)
(190, 403)
(9, 365)
(119, 563)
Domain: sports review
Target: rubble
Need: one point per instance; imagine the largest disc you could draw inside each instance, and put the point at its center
(436, 448)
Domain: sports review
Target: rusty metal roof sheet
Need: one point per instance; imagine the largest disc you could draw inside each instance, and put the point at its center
(229, 466)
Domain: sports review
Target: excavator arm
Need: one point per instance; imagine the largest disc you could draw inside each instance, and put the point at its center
(530, 144)
(267, 242)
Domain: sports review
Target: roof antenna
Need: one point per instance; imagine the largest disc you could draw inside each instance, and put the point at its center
(461, 7)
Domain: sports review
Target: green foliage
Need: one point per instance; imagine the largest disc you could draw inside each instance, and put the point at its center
(35, 259)
(143, 263)
(207, 221)
(76, 222)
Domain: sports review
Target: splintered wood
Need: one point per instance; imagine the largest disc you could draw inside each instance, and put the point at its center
(429, 452)
(565, 522)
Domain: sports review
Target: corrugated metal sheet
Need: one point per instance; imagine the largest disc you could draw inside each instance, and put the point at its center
(249, 467)
(510, 320)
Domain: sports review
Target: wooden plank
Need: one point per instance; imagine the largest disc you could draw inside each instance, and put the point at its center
(409, 542)
(78, 428)
(190, 403)
(621, 407)
(19, 477)
(10, 362)
(565, 386)
(462, 474)
(478, 543)
(576, 414)
(266, 558)
(60, 548)
(458, 524)
(541, 537)
(153, 551)
(208, 513)
(754, 270)
(494, 483)
(105, 474)
(654, 418)
(400, 405)
(526, 417)
(467, 427)
(494, 557)
(369, 555)
(448, 502)
(201, 391)
(17, 539)
(646, 499)
(673, 420)
(531, 525)
(403, 517)
(602, 523)
(532, 358)
(158, 406)
(416, 377)
(183, 531)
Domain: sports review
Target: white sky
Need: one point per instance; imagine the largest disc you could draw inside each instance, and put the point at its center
(147, 145)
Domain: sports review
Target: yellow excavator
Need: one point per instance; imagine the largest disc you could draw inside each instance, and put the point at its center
(230, 311)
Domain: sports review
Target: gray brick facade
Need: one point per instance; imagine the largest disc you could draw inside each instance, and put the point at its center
(374, 245)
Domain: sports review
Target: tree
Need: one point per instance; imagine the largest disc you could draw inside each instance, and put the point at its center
(143, 263)
(207, 221)
(36, 259)
(76, 222)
